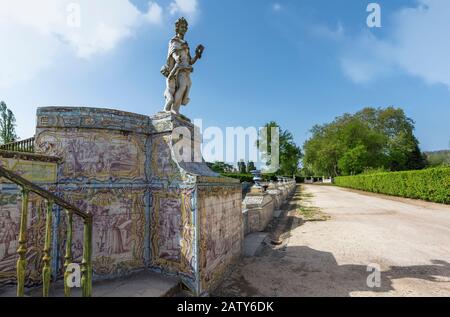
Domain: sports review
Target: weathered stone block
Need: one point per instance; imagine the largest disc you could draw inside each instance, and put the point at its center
(258, 208)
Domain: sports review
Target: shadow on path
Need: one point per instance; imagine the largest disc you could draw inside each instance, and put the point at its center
(300, 271)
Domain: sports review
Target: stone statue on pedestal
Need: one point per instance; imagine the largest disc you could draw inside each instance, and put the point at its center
(178, 69)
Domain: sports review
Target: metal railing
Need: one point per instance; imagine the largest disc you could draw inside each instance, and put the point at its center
(26, 146)
(51, 199)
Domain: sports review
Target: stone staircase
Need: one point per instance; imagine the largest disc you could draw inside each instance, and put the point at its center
(28, 188)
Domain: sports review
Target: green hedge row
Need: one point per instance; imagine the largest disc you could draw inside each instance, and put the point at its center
(429, 184)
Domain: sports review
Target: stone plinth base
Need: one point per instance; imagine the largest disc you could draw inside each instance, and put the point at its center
(151, 209)
(258, 211)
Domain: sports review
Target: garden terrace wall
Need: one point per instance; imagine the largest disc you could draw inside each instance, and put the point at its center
(221, 229)
(103, 172)
(149, 209)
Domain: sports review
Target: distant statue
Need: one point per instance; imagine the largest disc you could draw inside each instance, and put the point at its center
(179, 68)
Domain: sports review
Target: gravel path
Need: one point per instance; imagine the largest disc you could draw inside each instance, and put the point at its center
(409, 241)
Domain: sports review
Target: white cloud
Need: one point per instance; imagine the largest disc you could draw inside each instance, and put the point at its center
(25, 52)
(104, 24)
(33, 33)
(366, 58)
(155, 13)
(422, 45)
(189, 8)
(418, 44)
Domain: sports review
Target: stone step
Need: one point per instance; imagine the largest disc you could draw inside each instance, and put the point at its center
(143, 284)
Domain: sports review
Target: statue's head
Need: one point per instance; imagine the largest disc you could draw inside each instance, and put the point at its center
(181, 26)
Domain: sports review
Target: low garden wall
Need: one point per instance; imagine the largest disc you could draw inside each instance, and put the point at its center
(259, 206)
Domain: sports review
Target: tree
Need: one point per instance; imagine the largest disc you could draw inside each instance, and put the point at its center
(333, 147)
(251, 167)
(242, 167)
(354, 161)
(322, 153)
(369, 139)
(402, 147)
(289, 153)
(438, 158)
(220, 167)
(7, 125)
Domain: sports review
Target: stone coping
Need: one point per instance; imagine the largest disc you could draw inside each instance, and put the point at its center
(92, 118)
(217, 180)
(109, 119)
(163, 122)
(86, 118)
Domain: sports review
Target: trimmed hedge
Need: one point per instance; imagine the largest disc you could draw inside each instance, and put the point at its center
(429, 184)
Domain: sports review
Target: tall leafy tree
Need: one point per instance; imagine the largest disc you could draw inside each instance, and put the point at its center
(7, 125)
(346, 146)
(289, 153)
(402, 146)
(370, 139)
(242, 167)
(251, 167)
(220, 167)
(355, 160)
(438, 158)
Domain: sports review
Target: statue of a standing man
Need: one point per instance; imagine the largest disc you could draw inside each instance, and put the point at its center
(179, 68)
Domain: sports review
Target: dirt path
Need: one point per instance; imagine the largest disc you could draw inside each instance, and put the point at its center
(408, 240)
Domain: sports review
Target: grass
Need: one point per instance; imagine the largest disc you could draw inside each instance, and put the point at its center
(306, 210)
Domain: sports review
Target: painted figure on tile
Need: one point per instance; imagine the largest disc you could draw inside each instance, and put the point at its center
(170, 227)
(115, 243)
(96, 155)
(8, 234)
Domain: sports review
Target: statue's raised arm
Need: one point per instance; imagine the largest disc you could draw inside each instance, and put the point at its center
(178, 69)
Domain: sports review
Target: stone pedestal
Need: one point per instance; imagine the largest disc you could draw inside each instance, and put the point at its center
(258, 208)
(210, 216)
(283, 190)
(273, 191)
(152, 207)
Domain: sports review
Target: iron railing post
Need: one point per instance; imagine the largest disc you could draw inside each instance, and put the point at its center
(22, 250)
(46, 271)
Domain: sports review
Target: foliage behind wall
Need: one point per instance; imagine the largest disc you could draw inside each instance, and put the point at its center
(369, 139)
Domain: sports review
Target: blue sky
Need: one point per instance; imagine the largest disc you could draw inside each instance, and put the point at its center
(297, 62)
